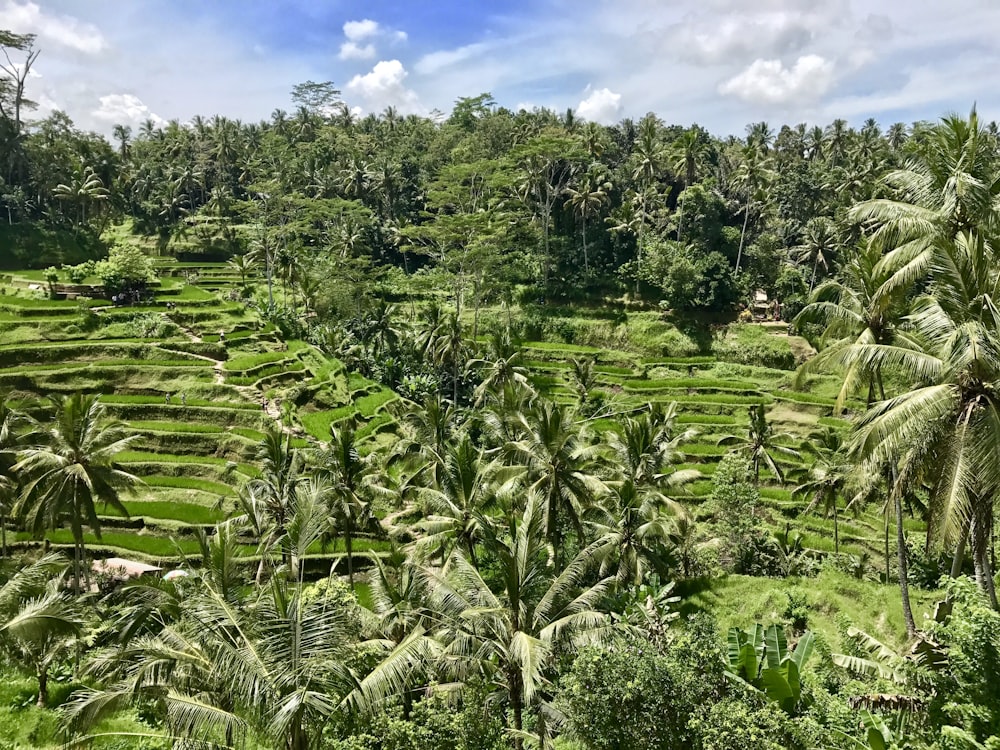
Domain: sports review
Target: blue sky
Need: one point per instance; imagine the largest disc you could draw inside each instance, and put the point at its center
(721, 63)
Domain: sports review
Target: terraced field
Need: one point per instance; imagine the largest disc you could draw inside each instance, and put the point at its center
(189, 380)
(714, 398)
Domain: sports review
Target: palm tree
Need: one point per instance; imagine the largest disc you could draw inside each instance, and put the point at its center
(12, 422)
(500, 366)
(584, 378)
(753, 174)
(555, 459)
(827, 480)
(818, 246)
(859, 308)
(585, 201)
(354, 485)
(941, 228)
(466, 489)
(71, 470)
(274, 492)
(37, 619)
(509, 626)
(645, 445)
(760, 444)
(262, 666)
(633, 534)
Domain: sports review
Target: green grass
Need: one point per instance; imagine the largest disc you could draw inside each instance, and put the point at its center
(175, 401)
(742, 600)
(189, 483)
(176, 427)
(370, 404)
(318, 423)
(188, 513)
(249, 361)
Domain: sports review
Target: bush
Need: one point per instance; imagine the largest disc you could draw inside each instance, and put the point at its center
(633, 695)
(753, 345)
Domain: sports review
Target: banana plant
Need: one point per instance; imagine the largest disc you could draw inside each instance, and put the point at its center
(878, 734)
(761, 659)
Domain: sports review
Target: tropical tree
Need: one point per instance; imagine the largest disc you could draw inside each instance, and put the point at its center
(266, 665)
(12, 423)
(827, 480)
(354, 486)
(760, 445)
(645, 445)
(633, 533)
(556, 460)
(818, 247)
(941, 228)
(466, 490)
(37, 619)
(585, 200)
(71, 469)
(273, 494)
(505, 628)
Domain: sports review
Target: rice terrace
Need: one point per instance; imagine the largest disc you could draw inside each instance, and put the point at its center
(382, 428)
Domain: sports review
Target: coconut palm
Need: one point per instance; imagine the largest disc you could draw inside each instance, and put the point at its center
(271, 496)
(826, 482)
(941, 228)
(467, 488)
(555, 460)
(646, 444)
(12, 423)
(71, 470)
(258, 666)
(585, 200)
(354, 485)
(633, 533)
(818, 246)
(500, 366)
(508, 627)
(760, 445)
(859, 308)
(37, 619)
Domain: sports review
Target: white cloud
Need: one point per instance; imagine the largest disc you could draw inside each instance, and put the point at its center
(770, 82)
(125, 109)
(356, 31)
(433, 62)
(384, 87)
(601, 105)
(355, 51)
(29, 18)
(368, 31)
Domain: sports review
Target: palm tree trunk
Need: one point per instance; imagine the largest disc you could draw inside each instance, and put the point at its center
(981, 532)
(836, 530)
(517, 707)
(586, 260)
(348, 547)
(43, 687)
(743, 234)
(959, 557)
(904, 586)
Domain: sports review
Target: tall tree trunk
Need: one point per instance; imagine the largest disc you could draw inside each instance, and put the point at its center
(959, 558)
(349, 547)
(517, 707)
(981, 529)
(743, 234)
(43, 687)
(586, 259)
(836, 530)
(904, 585)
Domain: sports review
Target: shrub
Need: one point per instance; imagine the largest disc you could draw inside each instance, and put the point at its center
(753, 345)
